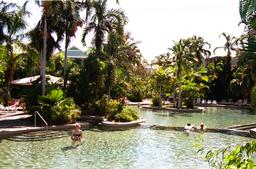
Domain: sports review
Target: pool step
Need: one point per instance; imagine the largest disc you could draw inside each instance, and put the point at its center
(39, 136)
(243, 127)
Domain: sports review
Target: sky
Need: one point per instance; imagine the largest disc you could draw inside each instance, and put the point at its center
(157, 23)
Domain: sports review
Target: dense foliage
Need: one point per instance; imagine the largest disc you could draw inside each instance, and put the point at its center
(56, 109)
(113, 110)
(180, 72)
(237, 157)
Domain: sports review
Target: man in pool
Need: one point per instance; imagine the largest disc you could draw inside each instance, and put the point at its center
(77, 134)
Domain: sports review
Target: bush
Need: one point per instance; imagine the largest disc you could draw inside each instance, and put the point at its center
(114, 110)
(135, 96)
(66, 111)
(189, 103)
(156, 101)
(107, 107)
(55, 109)
(128, 114)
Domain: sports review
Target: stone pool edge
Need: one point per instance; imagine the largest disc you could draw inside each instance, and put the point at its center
(108, 125)
(7, 132)
(175, 110)
(251, 133)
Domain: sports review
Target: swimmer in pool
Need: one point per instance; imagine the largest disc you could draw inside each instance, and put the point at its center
(77, 134)
(188, 127)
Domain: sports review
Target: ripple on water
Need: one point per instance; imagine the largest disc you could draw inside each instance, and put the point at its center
(135, 148)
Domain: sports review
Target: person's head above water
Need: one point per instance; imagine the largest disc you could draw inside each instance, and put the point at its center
(202, 125)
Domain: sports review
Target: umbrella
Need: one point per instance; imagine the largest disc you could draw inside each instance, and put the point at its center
(27, 81)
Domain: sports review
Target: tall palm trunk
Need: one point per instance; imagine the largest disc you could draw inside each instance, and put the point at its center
(65, 64)
(179, 87)
(43, 57)
(9, 73)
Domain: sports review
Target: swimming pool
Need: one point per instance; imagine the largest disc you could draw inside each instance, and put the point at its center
(135, 148)
(212, 117)
(131, 149)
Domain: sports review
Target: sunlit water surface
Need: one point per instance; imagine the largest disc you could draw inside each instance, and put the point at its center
(212, 117)
(130, 149)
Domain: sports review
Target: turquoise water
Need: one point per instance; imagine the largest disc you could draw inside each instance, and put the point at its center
(130, 149)
(212, 117)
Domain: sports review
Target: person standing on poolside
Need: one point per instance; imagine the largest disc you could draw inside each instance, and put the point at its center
(77, 133)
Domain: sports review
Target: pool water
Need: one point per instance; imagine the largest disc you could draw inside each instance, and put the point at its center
(130, 149)
(135, 148)
(211, 117)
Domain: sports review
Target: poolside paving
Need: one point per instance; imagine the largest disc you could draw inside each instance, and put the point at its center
(19, 122)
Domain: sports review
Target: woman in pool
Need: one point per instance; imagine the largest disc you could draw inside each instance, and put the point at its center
(201, 128)
(77, 134)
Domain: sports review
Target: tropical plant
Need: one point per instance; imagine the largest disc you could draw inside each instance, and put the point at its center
(193, 86)
(136, 91)
(72, 20)
(102, 22)
(237, 157)
(12, 26)
(56, 109)
(187, 53)
(229, 46)
(247, 10)
(128, 114)
(162, 82)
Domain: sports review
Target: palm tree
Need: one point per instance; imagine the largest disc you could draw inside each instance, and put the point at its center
(188, 53)
(49, 24)
(180, 52)
(199, 50)
(107, 26)
(72, 20)
(13, 24)
(102, 22)
(247, 10)
(229, 46)
(6, 13)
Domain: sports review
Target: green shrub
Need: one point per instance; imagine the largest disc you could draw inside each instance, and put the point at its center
(128, 114)
(107, 107)
(189, 103)
(156, 101)
(66, 111)
(114, 110)
(55, 109)
(135, 96)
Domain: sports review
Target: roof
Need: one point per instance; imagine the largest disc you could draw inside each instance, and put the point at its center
(74, 52)
(27, 81)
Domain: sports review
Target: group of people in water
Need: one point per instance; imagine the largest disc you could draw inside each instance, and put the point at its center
(190, 127)
(77, 133)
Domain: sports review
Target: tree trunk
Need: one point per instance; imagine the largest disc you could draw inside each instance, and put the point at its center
(179, 87)
(9, 73)
(160, 96)
(43, 58)
(65, 65)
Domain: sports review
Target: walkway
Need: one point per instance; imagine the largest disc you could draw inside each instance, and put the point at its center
(19, 122)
